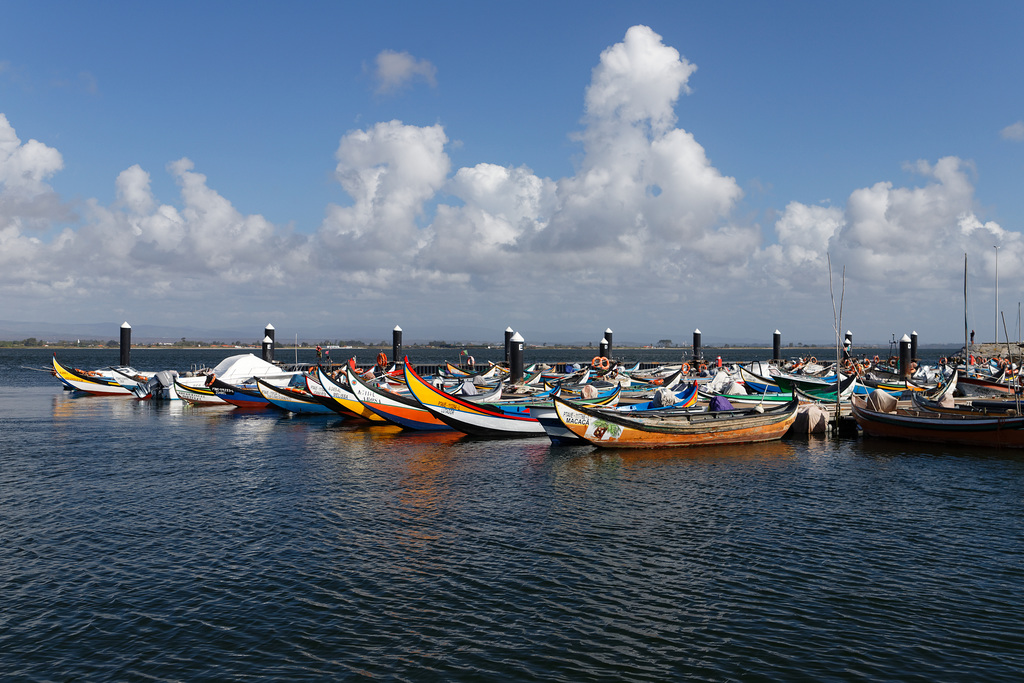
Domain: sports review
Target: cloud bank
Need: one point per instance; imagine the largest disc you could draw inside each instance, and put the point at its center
(647, 236)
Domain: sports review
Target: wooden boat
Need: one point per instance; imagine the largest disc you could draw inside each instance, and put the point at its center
(245, 396)
(96, 382)
(547, 414)
(196, 392)
(400, 409)
(993, 406)
(347, 402)
(914, 424)
(293, 400)
(982, 385)
(466, 416)
(685, 398)
(608, 429)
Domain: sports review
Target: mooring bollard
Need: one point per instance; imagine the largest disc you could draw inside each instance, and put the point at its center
(516, 358)
(126, 344)
(396, 344)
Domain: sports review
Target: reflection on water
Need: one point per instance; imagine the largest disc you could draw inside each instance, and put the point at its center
(143, 537)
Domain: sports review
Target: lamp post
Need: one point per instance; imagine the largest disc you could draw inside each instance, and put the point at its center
(996, 338)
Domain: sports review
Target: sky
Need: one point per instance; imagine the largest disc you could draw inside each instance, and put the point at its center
(336, 169)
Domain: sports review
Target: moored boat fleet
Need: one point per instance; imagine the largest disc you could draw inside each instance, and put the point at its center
(609, 404)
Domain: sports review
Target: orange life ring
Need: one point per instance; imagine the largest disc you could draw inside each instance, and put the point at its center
(812, 359)
(942, 361)
(877, 359)
(596, 362)
(703, 367)
(605, 363)
(685, 369)
(382, 360)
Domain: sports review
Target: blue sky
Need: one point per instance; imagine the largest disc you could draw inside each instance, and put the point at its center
(456, 168)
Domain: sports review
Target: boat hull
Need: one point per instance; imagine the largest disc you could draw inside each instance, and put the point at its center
(990, 431)
(607, 430)
(468, 417)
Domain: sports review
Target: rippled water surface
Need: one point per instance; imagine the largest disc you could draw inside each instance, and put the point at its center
(141, 540)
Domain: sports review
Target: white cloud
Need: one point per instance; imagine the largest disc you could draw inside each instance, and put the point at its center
(390, 171)
(1015, 132)
(396, 70)
(646, 230)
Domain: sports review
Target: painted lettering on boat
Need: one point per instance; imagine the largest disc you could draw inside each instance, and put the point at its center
(576, 419)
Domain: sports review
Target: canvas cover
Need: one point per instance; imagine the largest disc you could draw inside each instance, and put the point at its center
(662, 398)
(237, 369)
(719, 403)
(719, 382)
(811, 418)
(882, 401)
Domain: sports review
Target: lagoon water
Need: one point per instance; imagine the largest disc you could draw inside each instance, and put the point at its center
(141, 540)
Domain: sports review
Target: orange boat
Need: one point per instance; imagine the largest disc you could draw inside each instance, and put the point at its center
(611, 430)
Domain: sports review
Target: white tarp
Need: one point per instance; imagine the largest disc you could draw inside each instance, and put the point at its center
(237, 369)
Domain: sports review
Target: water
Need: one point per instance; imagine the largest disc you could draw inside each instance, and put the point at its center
(141, 540)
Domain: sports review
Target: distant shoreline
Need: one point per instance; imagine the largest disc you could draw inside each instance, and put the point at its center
(979, 348)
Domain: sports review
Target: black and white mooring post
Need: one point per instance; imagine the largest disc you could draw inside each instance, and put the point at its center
(905, 356)
(516, 358)
(777, 346)
(697, 353)
(608, 338)
(508, 344)
(126, 344)
(913, 345)
(603, 348)
(396, 344)
(268, 343)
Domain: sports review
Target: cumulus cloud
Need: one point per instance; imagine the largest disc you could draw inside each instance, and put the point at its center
(394, 71)
(646, 217)
(1014, 132)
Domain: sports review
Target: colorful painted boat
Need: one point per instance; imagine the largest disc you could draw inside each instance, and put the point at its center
(400, 409)
(292, 399)
(348, 403)
(990, 431)
(96, 382)
(609, 429)
(195, 391)
(466, 416)
(246, 396)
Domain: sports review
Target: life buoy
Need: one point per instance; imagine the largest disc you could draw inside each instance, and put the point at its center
(470, 361)
(685, 369)
(812, 359)
(702, 368)
(894, 361)
(210, 378)
(596, 362)
(876, 359)
(942, 361)
(382, 360)
(605, 363)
